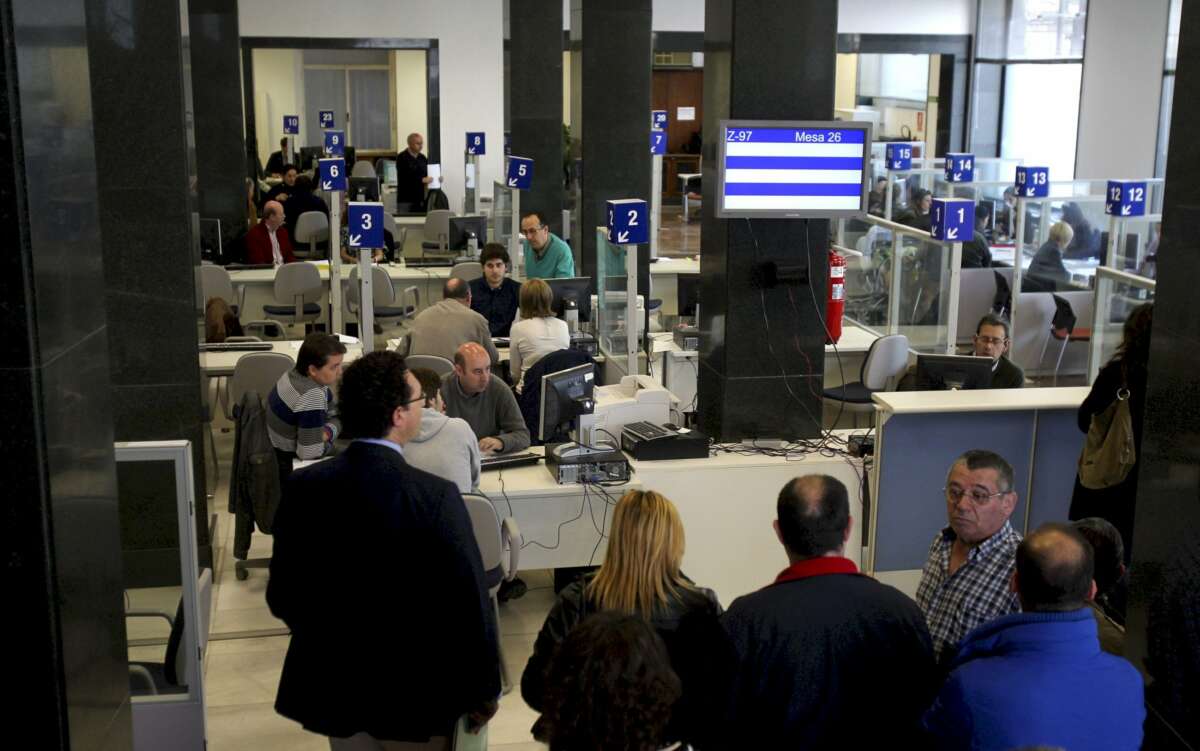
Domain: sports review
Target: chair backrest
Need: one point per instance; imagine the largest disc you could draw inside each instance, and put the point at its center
(389, 221)
(486, 524)
(312, 225)
(439, 365)
(265, 330)
(362, 168)
(294, 280)
(1064, 318)
(178, 661)
(437, 223)
(257, 371)
(467, 270)
(215, 282)
(382, 292)
(976, 294)
(885, 362)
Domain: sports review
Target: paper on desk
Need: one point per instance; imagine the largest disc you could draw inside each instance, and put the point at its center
(435, 172)
(343, 338)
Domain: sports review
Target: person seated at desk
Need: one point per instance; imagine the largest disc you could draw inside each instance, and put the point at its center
(378, 255)
(1004, 223)
(278, 159)
(877, 197)
(283, 191)
(538, 333)
(991, 340)
(1085, 242)
(302, 200)
(1046, 272)
(493, 295)
(444, 446)
(484, 401)
(976, 254)
(301, 419)
(444, 326)
(268, 241)
(547, 256)
(917, 213)
(412, 174)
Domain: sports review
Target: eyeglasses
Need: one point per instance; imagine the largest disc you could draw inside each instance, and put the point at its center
(533, 230)
(990, 339)
(977, 496)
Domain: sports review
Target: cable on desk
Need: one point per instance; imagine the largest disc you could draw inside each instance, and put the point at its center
(558, 531)
(500, 477)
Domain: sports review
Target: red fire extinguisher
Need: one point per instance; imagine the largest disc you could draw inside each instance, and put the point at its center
(835, 306)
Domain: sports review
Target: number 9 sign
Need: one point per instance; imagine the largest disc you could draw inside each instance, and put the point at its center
(335, 142)
(365, 225)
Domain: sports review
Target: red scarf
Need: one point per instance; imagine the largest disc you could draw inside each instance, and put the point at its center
(816, 567)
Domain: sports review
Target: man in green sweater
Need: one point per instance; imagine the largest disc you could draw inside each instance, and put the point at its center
(484, 401)
(547, 256)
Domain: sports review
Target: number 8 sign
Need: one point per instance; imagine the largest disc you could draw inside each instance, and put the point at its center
(365, 225)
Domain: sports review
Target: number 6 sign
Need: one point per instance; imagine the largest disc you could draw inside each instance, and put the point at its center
(628, 221)
(332, 173)
(365, 225)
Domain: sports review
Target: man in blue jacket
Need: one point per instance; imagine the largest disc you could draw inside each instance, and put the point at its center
(1038, 677)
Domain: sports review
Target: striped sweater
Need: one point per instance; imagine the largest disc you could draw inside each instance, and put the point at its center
(298, 411)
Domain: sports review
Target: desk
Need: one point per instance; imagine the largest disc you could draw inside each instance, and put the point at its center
(664, 280)
(684, 179)
(214, 364)
(1082, 270)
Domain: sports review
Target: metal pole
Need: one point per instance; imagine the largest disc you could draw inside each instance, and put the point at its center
(515, 251)
(335, 260)
(655, 202)
(952, 307)
(1018, 256)
(631, 316)
(894, 301)
(1115, 230)
(887, 205)
(366, 301)
(470, 180)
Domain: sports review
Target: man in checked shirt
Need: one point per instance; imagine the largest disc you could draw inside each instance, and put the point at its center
(966, 580)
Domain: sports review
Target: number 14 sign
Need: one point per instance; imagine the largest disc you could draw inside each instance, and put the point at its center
(627, 221)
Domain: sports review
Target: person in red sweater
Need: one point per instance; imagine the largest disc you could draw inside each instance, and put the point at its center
(268, 241)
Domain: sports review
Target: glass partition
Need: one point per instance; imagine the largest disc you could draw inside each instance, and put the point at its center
(612, 290)
(501, 219)
(1117, 294)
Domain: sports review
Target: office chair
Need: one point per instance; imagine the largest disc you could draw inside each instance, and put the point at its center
(399, 234)
(216, 282)
(362, 168)
(265, 331)
(312, 227)
(1062, 328)
(467, 270)
(171, 675)
(298, 286)
(255, 371)
(500, 547)
(885, 362)
(383, 296)
(437, 232)
(439, 365)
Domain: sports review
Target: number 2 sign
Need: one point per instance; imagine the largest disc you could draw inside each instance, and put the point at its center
(628, 221)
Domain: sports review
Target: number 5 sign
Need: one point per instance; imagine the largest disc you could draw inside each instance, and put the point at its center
(520, 172)
(627, 221)
(366, 225)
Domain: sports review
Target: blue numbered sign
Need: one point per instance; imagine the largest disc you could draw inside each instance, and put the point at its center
(899, 156)
(952, 219)
(365, 225)
(1125, 198)
(335, 142)
(960, 168)
(332, 173)
(325, 118)
(628, 221)
(1033, 182)
(520, 172)
(476, 144)
(658, 119)
(291, 124)
(658, 142)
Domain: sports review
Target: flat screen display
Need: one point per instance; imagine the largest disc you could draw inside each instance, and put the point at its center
(786, 169)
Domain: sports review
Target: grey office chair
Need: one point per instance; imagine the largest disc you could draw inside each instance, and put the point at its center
(216, 282)
(170, 675)
(297, 289)
(312, 227)
(439, 365)
(255, 371)
(437, 232)
(500, 547)
(383, 295)
(265, 331)
(467, 270)
(885, 363)
(362, 168)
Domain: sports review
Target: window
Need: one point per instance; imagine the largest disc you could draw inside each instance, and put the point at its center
(356, 85)
(1168, 89)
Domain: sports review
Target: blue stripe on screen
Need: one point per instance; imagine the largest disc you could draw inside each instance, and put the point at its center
(850, 163)
(795, 189)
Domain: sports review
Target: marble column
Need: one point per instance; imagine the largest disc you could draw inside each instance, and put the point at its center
(536, 102)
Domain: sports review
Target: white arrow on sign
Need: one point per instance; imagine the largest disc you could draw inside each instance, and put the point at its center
(512, 182)
(1125, 210)
(355, 239)
(952, 233)
(957, 175)
(623, 237)
(471, 150)
(1029, 191)
(327, 185)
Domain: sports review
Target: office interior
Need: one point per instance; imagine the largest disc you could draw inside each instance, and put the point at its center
(136, 134)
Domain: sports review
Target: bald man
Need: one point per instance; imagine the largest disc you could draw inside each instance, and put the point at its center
(797, 641)
(268, 241)
(1038, 677)
(485, 402)
(412, 172)
(449, 323)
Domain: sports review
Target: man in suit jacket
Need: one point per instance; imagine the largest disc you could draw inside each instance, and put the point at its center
(360, 541)
(268, 241)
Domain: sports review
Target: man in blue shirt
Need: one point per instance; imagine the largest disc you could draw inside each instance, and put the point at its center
(493, 295)
(547, 256)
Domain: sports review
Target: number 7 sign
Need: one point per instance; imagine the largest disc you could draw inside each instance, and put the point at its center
(628, 221)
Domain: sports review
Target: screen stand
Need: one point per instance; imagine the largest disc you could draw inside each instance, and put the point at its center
(583, 442)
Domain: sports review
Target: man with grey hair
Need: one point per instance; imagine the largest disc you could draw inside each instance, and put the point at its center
(446, 325)
(412, 173)
(992, 340)
(965, 582)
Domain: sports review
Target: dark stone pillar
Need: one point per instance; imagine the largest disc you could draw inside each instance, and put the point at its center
(614, 125)
(536, 102)
(59, 532)
(1165, 601)
(142, 108)
(762, 352)
(216, 79)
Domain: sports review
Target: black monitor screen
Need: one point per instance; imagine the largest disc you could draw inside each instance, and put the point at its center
(364, 189)
(308, 157)
(460, 226)
(577, 288)
(688, 291)
(562, 395)
(945, 372)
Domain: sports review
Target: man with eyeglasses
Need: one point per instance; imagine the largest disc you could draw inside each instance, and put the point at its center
(965, 582)
(991, 340)
(547, 256)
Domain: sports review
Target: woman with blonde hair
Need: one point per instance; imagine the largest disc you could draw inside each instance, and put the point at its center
(1046, 272)
(640, 576)
(537, 333)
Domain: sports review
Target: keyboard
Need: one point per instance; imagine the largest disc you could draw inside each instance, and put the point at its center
(500, 341)
(235, 347)
(504, 461)
(646, 431)
(428, 263)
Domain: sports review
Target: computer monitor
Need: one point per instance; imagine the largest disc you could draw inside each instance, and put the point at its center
(350, 155)
(387, 171)
(576, 288)
(210, 240)
(688, 294)
(1127, 256)
(785, 169)
(946, 372)
(363, 189)
(308, 157)
(566, 395)
(462, 226)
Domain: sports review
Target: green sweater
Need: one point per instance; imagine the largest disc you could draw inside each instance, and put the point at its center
(556, 261)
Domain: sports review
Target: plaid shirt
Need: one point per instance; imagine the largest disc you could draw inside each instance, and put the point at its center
(975, 594)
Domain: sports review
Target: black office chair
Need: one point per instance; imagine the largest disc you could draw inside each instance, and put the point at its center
(1062, 328)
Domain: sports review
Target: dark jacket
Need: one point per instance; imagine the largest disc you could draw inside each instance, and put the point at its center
(1046, 272)
(1038, 679)
(498, 306)
(410, 171)
(1007, 375)
(275, 163)
(254, 477)
(360, 541)
(298, 203)
(814, 657)
(975, 253)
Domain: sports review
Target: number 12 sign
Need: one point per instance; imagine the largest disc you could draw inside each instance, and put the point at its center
(1125, 198)
(627, 221)
(366, 225)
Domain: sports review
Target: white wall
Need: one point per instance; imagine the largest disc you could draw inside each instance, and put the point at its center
(471, 47)
(1122, 82)
(278, 91)
(412, 103)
